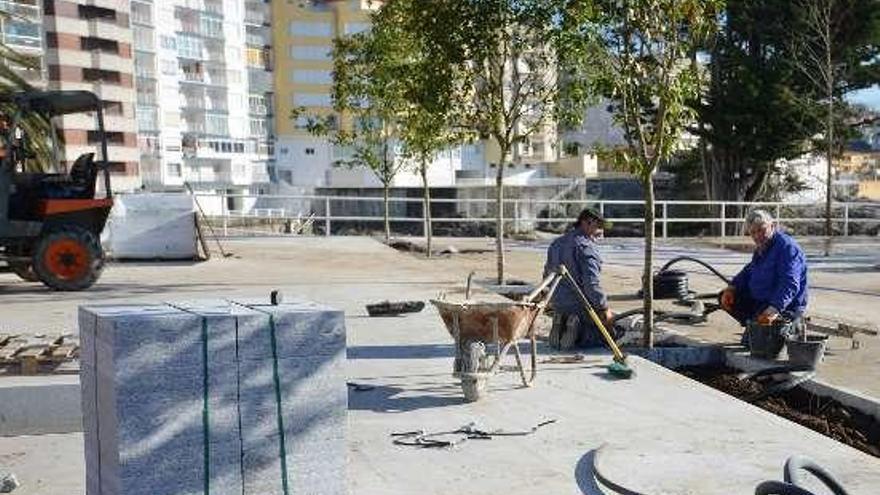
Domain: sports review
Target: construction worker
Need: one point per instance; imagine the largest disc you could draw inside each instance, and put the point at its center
(774, 284)
(577, 249)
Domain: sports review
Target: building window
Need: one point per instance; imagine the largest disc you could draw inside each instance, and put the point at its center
(305, 28)
(94, 12)
(94, 137)
(312, 100)
(258, 127)
(112, 107)
(356, 27)
(310, 52)
(168, 42)
(310, 151)
(100, 75)
(189, 47)
(141, 13)
(174, 170)
(303, 76)
(168, 67)
(99, 44)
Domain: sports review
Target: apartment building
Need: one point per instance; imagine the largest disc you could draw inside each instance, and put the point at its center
(89, 47)
(204, 94)
(21, 29)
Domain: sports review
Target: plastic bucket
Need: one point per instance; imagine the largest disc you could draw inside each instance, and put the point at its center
(765, 341)
(808, 353)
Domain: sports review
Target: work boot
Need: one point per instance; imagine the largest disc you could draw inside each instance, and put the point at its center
(571, 333)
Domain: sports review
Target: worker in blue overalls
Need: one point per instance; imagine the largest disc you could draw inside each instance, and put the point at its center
(577, 249)
(774, 284)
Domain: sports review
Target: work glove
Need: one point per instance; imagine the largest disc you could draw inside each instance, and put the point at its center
(728, 299)
(607, 316)
(768, 316)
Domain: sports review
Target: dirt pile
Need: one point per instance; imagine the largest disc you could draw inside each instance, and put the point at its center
(826, 416)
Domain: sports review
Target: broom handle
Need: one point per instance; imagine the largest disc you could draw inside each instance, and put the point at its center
(618, 355)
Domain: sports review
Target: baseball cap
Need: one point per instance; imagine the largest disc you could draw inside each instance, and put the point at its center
(592, 214)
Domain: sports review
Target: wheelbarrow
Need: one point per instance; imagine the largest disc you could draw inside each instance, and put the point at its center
(474, 324)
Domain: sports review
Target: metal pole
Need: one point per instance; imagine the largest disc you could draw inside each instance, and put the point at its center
(225, 211)
(665, 218)
(327, 216)
(846, 219)
(723, 219)
(778, 212)
(516, 216)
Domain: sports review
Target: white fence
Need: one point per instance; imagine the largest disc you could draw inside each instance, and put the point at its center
(325, 215)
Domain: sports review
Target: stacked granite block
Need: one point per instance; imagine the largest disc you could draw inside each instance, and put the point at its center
(219, 397)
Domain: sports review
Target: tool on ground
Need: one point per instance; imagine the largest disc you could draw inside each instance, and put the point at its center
(423, 439)
(51, 223)
(206, 222)
(388, 308)
(618, 367)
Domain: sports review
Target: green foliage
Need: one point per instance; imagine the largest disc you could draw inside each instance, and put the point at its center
(37, 128)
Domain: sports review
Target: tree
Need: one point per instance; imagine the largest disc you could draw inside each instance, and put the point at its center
(368, 101)
(38, 129)
(501, 60)
(836, 49)
(428, 119)
(642, 50)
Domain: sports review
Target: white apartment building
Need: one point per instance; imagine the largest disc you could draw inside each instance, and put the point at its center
(204, 93)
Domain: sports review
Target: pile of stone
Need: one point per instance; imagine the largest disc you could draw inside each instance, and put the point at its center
(214, 397)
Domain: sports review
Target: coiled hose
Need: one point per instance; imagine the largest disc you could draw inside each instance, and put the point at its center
(794, 480)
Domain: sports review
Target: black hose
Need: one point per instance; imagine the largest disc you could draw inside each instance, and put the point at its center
(795, 464)
(780, 488)
(697, 261)
(793, 481)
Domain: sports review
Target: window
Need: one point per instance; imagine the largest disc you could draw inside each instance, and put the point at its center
(305, 28)
(312, 100)
(112, 107)
(174, 170)
(99, 44)
(356, 27)
(258, 127)
(94, 12)
(212, 27)
(239, 147)
(257, 105)
(217, 124)
(100, 75)
(310, 151)
(143, 38)
(94, 137)
(310, 52)
(311, 76)
(141, 13)
(189, 47)
(168, 42)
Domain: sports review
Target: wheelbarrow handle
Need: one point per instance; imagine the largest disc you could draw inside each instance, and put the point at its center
(618, 354)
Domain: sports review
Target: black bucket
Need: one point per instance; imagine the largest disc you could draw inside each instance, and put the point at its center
(808, 353)
(766, 341)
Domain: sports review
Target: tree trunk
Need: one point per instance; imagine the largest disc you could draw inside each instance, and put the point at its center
(427, 213)
(499, 216)
(647, 276)
(829, 152)
(385, 193)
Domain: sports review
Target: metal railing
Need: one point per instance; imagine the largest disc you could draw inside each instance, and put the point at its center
(673, 218)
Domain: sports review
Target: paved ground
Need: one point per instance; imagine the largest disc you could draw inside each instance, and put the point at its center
(658, 419)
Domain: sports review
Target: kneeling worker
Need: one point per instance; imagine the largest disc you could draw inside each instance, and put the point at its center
(774, 284)
(577, 249)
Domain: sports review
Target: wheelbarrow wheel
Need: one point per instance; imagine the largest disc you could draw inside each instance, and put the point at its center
(473, 383)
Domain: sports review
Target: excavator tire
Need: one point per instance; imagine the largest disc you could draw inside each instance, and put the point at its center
(68, 258)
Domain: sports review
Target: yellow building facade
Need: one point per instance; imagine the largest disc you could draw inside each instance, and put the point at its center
(303, 33)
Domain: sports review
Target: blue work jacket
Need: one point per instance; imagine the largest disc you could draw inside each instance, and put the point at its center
(580, 255)
(776, 276)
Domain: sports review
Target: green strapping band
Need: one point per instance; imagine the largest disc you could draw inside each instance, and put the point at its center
(277, 379)
(206, 429)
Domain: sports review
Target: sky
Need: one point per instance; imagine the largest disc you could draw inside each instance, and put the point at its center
(869, 97)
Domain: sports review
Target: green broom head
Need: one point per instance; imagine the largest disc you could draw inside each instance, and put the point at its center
(620, 370)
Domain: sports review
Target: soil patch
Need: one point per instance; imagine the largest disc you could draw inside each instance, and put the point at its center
(821, 414)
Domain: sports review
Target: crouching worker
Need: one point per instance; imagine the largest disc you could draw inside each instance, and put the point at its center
(577, 249)
(774, 284)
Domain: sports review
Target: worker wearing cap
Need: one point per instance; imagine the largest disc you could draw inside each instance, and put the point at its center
(774, 283)
(577, 249)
